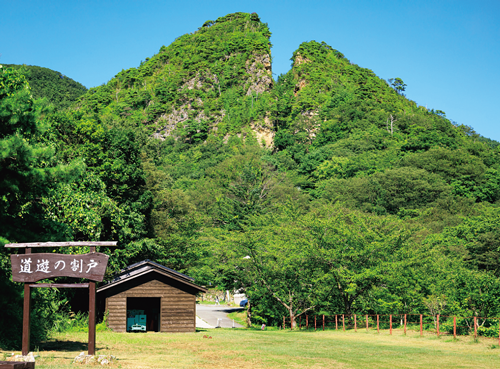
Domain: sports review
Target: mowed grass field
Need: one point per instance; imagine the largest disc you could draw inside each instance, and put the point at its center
(245, 348)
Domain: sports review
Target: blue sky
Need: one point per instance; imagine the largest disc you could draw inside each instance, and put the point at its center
(447, 52)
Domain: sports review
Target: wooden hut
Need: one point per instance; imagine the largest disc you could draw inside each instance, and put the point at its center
(166, 297)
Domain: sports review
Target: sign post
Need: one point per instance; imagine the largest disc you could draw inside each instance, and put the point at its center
(30, 268)
(26, 313)
(91, 345)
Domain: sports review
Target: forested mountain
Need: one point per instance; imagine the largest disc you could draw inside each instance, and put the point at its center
(326, 190)
(216, 80)
(58, 89)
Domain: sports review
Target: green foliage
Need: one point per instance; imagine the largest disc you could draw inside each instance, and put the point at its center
(66, 322)
(398, 85)
(45, 304)
(59, 90)
(27, 164)
(387, 192)
(478, 238)
(327, 260)
(84, 208)
(475, 294)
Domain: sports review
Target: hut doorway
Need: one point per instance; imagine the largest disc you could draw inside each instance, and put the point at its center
(148, 306)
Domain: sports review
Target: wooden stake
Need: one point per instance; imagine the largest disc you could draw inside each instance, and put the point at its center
(390, 324)
(437, 325)
(343, 322)
(378, 328)
(421, 330)
(355, 325)
(405, 324)
(455, 327)
(367, 322)
(26, 319)
(475, 327)
(336, 322)
(92, 315)
(26, 314)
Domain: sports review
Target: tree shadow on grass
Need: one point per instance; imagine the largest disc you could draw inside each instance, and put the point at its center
(56, 345)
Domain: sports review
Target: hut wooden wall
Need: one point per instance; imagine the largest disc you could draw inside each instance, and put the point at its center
(178, 307)
(116, 306)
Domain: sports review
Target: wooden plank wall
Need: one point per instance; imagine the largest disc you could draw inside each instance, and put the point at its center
(178, 311)
(178, 308)
(117, 308)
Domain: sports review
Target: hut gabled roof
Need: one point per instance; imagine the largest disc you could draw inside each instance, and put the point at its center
(145, 267)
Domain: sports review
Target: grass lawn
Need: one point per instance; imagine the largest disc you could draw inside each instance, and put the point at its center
(221, 303)
(239, 317)
(245, 348)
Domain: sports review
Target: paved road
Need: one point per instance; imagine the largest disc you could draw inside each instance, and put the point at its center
(210, 313)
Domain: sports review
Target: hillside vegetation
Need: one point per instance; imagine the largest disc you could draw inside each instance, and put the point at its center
(58, 89)
(325, 191)
(217, 79)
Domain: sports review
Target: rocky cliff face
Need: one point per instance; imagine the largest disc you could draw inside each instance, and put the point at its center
(217, 80)
(205, 88)
(260, 74)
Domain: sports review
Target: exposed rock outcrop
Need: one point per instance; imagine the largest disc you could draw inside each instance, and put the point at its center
(261, 74)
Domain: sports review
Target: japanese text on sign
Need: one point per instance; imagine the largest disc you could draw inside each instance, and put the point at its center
(43, 265)
(34, 267)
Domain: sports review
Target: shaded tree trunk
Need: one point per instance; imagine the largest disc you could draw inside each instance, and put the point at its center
(249, 315)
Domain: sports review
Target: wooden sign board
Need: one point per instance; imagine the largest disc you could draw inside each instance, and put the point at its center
(34, 267)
